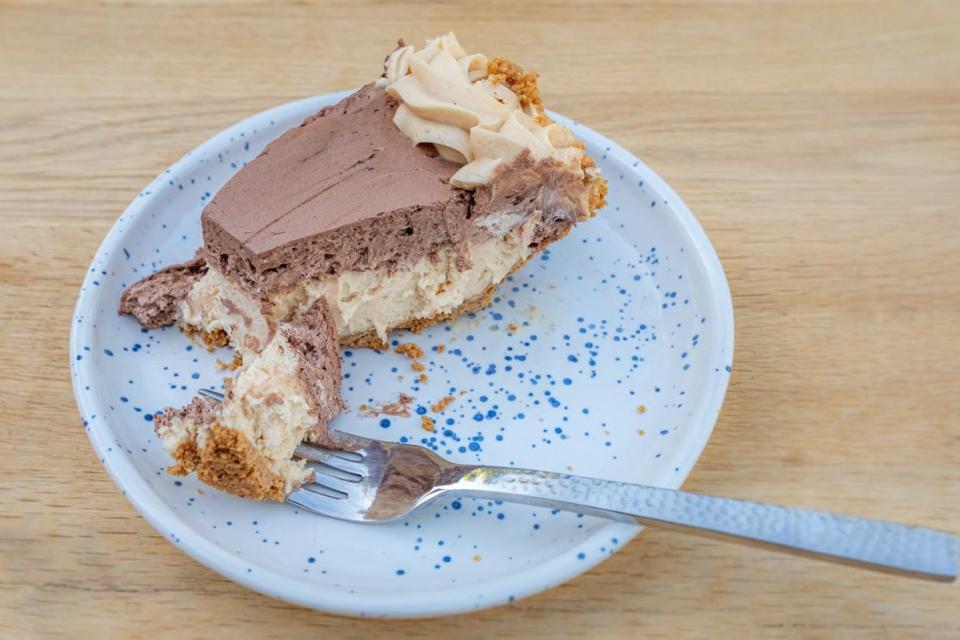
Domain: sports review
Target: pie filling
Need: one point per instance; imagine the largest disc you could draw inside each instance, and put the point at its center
(363, 303)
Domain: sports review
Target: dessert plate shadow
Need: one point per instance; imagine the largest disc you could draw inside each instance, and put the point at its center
(607, 356)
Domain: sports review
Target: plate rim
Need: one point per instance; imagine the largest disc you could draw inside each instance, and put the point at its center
(527, 582)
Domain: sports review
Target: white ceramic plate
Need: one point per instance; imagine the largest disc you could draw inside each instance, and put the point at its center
(608, 356)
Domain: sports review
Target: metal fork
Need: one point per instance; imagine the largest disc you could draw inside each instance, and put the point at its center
(379, 481)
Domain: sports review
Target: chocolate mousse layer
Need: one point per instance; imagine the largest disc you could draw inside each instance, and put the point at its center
(346, 190)
(155, 300)
(314, 337)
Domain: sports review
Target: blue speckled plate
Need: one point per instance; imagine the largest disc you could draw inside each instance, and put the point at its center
(607, 356)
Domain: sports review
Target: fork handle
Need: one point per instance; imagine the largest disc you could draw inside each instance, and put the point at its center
(873, 544)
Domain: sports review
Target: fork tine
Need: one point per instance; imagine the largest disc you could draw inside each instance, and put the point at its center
(210, 393)
(313, 453)
(337, 484)
(322, 490)
(336, 472)
(307, 450)
(322, 504)
(351, 456)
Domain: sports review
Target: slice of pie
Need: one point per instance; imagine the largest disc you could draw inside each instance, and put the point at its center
(403, 205)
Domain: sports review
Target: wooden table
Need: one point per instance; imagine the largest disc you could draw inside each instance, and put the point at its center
(818, 143)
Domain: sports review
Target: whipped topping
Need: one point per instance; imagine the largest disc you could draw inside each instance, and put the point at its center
(447, 100)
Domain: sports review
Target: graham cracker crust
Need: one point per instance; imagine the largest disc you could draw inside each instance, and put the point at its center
(230, 463)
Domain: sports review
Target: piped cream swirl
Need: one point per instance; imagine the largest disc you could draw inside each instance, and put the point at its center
(447, 100)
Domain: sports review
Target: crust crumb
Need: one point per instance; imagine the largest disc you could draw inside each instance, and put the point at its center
(598, 193)
(641, 409)
(399, 408)
(440, 405)
(365, 340)
(440, 348)
(418, 367)
(513, 327)
(233, 365)
(178, 469)
(427, 423)
(597, 198)
(423, 378)
(409, 349)
(210, 339)
(501, 70)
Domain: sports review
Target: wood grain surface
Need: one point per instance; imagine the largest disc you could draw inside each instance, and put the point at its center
(817, 142)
